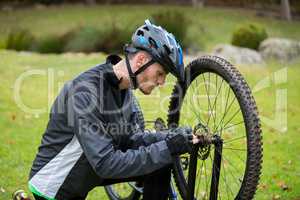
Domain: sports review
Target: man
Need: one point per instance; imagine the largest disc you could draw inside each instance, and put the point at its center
(92, 139)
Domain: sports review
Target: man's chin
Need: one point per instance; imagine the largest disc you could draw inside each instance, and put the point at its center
(145, 92)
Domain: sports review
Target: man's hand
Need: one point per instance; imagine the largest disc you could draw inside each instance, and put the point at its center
(195, 139)
(180, 140)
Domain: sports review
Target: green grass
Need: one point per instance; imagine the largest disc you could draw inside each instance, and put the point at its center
(206, 24)
(21, 132)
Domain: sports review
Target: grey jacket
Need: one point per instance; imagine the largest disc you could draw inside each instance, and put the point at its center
(92, 134)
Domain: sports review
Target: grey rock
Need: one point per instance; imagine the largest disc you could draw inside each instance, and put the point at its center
(238, 55)
(280, 48)
(190, 57)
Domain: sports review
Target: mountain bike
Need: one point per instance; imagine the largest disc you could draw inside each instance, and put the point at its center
(217, 102)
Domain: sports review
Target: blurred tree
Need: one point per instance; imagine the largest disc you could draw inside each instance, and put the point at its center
(154, 1)
(90, 2)
(197, 3)
(285, 10)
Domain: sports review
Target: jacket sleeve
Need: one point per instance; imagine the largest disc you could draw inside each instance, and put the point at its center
(146, 138)
(98, 147)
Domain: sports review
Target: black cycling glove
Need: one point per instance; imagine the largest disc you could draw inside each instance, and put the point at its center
(179, 140)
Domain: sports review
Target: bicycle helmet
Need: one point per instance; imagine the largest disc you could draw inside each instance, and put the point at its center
(161, 45)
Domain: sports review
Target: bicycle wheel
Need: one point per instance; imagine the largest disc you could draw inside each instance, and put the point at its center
(131, 190)
(216, 100)
(123, 191)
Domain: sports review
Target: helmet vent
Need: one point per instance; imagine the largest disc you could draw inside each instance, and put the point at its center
(152, 42)
(140, 32)
(146, 28)
(167, 49)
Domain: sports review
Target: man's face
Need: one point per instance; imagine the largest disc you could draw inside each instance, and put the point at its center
(152, 76)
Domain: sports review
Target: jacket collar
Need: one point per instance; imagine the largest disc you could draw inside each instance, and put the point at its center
(111, 76)
(113, 59)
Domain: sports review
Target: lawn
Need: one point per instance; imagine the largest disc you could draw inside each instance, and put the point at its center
(276, 90)
(205, 26)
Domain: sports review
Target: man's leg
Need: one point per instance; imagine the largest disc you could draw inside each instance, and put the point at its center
(157, 184)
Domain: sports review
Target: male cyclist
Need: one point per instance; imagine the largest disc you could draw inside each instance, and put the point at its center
(92, 138)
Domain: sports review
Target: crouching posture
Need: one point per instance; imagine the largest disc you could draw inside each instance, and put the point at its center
(92, 137)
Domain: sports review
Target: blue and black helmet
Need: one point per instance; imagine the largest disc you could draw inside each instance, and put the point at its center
(161, 45)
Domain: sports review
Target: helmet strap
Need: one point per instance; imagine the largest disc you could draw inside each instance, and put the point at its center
(141, 69)
(133, 76)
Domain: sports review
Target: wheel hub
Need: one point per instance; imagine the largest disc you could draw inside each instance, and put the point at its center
(206, 138)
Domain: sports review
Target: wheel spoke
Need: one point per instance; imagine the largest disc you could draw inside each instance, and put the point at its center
(199, 104)
(235, 152)
(192, 105)
(238, 123)
(215, 101)
(234, 139)
(194, 110)
(234, 179)
(228, 127)
(225, 180)
(208, 98)
(234, 149)
(233, 166)
(230, 119)
(225, 109)
(213, 110)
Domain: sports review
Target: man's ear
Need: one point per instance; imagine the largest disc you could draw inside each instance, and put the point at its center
(136, 61)
(141, 59)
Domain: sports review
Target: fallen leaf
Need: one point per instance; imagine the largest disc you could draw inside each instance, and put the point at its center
(276, 197)
(283, 185)
(11, 142)
(285, 168)
(274, 176)
(272, 130)
(263, 186)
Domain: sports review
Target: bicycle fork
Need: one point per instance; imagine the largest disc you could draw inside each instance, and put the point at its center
(216, 168)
